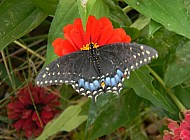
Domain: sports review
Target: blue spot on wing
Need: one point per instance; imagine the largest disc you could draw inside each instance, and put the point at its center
(117, 78)
(81, 82)
(120, 73)
(113, 82)
(92, 87)
(108, 81)
(96, 84)
(86, 85)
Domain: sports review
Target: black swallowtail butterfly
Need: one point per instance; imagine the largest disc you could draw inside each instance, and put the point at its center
(97, 70)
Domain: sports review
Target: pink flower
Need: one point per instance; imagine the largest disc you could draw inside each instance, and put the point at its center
(178, 131)
(32, 109)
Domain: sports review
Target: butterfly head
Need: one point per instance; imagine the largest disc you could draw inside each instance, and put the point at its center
(89, 46)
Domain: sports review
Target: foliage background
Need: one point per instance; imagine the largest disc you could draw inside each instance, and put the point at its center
(161, 88)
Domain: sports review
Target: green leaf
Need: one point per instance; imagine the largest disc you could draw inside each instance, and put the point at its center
(96, 8)
(66, 12)
(172, 14)
(100, 9)
(18, 17)
(95, 108)
(141, 82)
(47, 6)
(178, 70)
(141, 22)
(132, 32)
(116, 14)
(112, 112)
(67, 121)
(85, 7)
(153, 27)
(183, 94)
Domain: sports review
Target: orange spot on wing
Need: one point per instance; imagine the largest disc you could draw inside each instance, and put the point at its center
(103, 84)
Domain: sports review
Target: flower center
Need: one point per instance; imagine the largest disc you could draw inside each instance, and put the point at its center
(38, 107)
(89, 46)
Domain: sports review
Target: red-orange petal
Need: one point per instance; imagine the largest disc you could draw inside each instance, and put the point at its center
(106, 21)
(123, 36)
(106, 35)
(74, 34)
(91, 19)
(126, 39)
(62, 47)
(68, 48)
(78, 26)
(76, 39)
(119, 36)
(67, 29)
(58, 46)
(95, 30)
(98, 31)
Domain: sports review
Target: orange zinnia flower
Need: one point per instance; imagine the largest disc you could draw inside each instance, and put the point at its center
(98, 32)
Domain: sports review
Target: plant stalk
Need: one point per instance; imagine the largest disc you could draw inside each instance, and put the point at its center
(168, 90)
(29, 50)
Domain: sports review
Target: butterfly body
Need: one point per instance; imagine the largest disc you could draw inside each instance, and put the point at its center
(98, 70)
(94, 56)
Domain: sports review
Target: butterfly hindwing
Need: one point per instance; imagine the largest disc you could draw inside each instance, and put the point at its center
(92, 75)
(70, 69)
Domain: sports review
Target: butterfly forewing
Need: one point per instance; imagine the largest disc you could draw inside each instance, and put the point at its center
(131, 56)
(91, 74)
(69, 69)
(62, 70)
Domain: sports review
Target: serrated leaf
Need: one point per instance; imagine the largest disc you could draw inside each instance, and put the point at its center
(66, 12)
(178, 70)
(110, 115)
(141, 82)
(18, 17)
(172, 14)
(67, 121)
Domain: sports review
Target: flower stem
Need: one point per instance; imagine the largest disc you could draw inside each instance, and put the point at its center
(168, 90)
(8, 71)
(29, 50)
